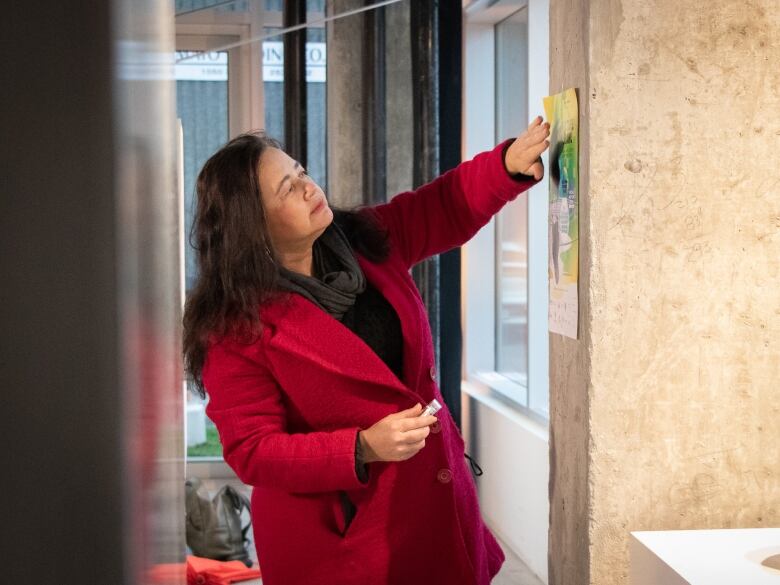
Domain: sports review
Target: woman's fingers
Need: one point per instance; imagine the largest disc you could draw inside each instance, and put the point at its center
(417, 422)
(540, 132)
(535, 136)
(536, 170)
(538, 149)
(411, 449)
(419, 445)
(532, 149)
(535, 127)
(409, 412)
(415, 436)
(400, 435)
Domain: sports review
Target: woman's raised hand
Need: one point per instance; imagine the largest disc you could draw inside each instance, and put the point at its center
(396, 437)
(523, 155)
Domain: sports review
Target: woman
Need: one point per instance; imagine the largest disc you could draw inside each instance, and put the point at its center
(310, 337)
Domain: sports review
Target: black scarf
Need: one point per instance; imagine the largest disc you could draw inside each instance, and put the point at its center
(337, 278)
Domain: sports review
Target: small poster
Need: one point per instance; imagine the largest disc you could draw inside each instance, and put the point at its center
(562, 114)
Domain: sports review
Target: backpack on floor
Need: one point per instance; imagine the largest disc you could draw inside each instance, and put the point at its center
(214, 528)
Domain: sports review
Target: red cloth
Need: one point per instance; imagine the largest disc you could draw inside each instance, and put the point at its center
(202, 571)
(288, 408)
(166, 574)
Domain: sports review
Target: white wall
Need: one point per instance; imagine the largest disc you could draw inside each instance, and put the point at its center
(511, 447)
(512, 450)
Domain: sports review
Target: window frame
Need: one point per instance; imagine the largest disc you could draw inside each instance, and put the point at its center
(200, 32)
(207, 28)
(480, 275)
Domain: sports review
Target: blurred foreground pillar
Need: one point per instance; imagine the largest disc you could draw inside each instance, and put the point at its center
(89, 231)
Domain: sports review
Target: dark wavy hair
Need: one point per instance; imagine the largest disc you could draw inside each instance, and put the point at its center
(238, 269)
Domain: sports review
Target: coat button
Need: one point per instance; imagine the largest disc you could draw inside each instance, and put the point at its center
(444, 476)
(433, 373)
(436, 427)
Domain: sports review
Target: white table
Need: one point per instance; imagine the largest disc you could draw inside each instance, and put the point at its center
(704, 557)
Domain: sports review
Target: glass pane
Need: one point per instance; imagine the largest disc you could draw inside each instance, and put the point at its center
(512, 223)
(316, 94)
(202, 106)
(273, 85)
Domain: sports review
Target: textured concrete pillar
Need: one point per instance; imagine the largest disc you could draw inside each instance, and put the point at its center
(345, 105)
(398, 66)
(664, 412)
(345, 102)
(570, 359)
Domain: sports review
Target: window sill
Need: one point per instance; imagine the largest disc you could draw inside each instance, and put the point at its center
(533, 423)
(209, 467)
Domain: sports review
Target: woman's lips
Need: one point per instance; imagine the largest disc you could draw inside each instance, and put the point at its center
(318, 207)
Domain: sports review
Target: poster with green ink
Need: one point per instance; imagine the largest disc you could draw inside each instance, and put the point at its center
(562, 114)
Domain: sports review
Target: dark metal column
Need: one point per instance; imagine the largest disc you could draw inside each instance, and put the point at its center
(374, 111)
(295, 81)
(425, 75)
(425, 82)
(450, 100)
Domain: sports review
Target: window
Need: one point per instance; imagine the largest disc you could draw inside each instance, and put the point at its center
(216, 99)
(221, 93)
(202, 107)
(505, 265)
(316, 85)
(511, 235)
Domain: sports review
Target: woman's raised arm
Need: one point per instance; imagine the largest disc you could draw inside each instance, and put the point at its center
(449, 210)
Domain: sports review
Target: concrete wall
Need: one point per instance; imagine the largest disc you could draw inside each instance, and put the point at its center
(345, 105)
(664, 413)
(398, 102)
(345, 102)
(569, 359)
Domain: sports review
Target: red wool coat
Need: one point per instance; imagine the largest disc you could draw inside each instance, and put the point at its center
(288, 408)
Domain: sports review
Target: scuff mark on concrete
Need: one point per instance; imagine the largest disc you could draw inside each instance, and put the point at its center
(634, 166)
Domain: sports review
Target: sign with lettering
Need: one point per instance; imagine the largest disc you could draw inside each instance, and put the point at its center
(213, 66)
(201, 66)
(273, 61)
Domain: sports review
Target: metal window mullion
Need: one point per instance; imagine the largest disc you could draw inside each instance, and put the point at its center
(425, 81)
(295, 115)
(374, 110)
(450, 139)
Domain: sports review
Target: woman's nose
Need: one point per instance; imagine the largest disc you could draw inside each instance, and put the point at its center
(308, 189)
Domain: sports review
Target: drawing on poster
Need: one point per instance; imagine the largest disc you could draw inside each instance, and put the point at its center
(562, 114)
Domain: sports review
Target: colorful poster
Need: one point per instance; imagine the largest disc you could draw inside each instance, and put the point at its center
(562, 114)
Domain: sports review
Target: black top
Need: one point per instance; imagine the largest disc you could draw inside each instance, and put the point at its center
(374, 320)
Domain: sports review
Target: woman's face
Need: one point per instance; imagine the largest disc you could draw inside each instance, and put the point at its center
(295, 207)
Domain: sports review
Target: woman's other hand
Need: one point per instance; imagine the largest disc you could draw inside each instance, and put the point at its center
(523, 155)
(396, 437)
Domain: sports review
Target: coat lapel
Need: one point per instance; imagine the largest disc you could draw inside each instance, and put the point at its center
(303, 331)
